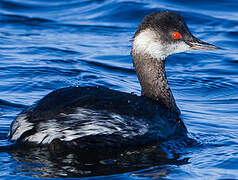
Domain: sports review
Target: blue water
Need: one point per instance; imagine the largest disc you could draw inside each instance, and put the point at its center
(50, 44)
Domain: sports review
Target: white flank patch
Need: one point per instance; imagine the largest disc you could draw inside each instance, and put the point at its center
(148, 42)
(19, 126)
(83, 122)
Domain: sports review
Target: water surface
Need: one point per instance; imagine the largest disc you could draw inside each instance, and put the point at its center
(46, 45)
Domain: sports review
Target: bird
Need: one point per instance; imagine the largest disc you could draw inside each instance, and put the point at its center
(96, 117)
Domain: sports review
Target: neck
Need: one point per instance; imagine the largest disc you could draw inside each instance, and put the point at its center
(152, 76)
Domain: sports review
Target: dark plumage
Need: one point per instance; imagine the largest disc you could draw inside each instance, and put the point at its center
(133, 113)
(165, 23)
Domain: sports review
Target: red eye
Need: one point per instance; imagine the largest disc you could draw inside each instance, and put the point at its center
(176, 35)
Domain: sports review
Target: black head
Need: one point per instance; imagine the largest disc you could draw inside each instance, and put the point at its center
(164, 33)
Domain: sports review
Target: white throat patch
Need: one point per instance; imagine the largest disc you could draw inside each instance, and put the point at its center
(147, 42)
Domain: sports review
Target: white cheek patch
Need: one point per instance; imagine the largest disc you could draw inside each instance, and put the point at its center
(147, 42)
(178, 47)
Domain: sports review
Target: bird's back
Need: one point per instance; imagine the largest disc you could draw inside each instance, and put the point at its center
(92, 117)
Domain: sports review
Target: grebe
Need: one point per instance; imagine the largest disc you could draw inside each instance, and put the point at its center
(97, 117)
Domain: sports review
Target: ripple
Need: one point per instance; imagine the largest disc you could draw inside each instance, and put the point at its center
(49, 50)
(7, 103)
(111, 68)
(21, 19)
(46, 45)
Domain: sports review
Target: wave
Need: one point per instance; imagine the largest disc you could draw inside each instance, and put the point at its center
(15, 105)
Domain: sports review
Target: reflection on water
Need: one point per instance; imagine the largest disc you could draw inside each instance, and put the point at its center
(41, 162)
